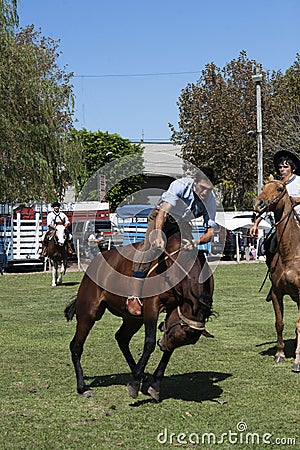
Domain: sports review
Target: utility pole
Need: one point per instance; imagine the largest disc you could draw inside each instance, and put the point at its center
(257, 79)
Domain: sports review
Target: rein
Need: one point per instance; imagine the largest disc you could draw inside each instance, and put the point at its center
(170, 256)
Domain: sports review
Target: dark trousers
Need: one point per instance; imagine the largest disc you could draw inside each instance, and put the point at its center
(146, 252)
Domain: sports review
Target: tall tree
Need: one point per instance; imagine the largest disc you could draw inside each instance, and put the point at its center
(9, 18)
(114, 158)
(285, 95)
(215, 115)
(36, 107)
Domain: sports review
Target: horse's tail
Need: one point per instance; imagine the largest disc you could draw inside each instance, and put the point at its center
(70, 311)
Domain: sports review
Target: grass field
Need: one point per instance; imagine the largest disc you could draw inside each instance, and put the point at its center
(222, 393)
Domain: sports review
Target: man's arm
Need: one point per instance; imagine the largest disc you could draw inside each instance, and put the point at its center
(49, 221)
(66, 220)
(254, 227)
(203, 239)
(160, 219)
(206, 237)
(295, 199)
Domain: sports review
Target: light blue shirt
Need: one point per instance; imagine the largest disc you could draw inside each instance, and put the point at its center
(181, 196)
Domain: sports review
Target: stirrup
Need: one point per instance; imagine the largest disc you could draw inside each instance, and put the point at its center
(136, 311)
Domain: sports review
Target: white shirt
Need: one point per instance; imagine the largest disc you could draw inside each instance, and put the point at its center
(293, 188)
(53, 218)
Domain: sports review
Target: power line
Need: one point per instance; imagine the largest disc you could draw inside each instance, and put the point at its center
(127, 75)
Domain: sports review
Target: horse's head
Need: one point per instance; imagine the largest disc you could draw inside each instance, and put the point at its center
(60, 234)
(181, 330)
(271, 197)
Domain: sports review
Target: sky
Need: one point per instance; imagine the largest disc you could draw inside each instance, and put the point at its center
(132, 58)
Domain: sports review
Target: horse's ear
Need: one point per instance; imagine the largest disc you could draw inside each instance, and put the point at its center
(270, 178)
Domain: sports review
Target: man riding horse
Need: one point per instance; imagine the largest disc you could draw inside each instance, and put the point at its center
(185, 199)
(54, 218)
(287, 166)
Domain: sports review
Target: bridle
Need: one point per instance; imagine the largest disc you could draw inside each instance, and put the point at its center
(183, 322)
(55, 238)
(266, 208)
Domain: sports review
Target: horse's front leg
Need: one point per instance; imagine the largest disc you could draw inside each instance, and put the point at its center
(150, 320)
(60, 273)
(129, 328)
(153, 388)
(277, 300)
(296, 366)
(54, 273)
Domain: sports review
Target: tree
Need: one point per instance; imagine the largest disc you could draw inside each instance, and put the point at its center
(215, 115)
(285, 131)
(112, 157)
(8, 17)
(37, 157)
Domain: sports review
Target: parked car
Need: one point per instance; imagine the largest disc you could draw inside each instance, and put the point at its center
(81, 230)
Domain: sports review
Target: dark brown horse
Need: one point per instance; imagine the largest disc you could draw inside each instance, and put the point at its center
(105, 286)
(57, 249)
(285, 267)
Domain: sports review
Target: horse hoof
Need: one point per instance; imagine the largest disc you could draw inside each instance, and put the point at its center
(88, 394)
(296, 367)
(145, 386)
(154, 394)
(279, 359)
(133, 388)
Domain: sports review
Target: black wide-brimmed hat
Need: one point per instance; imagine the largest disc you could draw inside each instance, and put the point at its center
(288, 154)
(55, 204)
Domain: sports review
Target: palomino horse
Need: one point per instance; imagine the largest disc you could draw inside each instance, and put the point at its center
(187, 305)
(58, 253)
(285, 267)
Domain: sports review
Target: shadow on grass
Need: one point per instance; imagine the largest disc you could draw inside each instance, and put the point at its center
(289, 348)
(191, 386)
(70, 283)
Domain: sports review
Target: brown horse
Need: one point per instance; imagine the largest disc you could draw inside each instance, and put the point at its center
(57, 249)
(285, 266)
(105, 286)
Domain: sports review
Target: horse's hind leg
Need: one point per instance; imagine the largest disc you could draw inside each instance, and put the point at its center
(85, 323)
(76, 348)
(129, 328)
(296, 365)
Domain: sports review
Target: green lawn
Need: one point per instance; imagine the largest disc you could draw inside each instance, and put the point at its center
(227, 387)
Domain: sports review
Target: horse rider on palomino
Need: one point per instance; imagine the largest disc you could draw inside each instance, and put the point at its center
(187, 198)
(287, 166)
(54, 218)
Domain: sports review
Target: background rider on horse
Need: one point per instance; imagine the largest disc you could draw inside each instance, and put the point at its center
(186, 199)
(287, 166)
(54, 218)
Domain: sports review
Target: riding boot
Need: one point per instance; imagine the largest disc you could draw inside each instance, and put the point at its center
(70, 250)
(133, 302)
